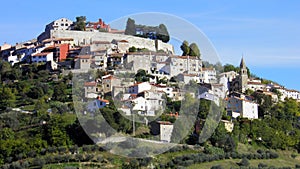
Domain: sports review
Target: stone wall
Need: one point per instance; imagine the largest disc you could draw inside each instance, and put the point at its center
(84, 38)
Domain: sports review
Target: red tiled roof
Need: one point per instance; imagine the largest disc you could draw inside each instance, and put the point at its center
(90, 84)
(124, 41)
(109, 77)
(206, 69)
(103, 100)
(84, 56)
(190, 75)
(255, 83)
(164, 122)
(41, 54)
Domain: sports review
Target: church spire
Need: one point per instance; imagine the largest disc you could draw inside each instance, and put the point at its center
(242, 64)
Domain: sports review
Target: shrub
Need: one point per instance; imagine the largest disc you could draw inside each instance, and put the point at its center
(40, 162)
(217, 167)
(62, 149)
(244, 162)
(262, 165)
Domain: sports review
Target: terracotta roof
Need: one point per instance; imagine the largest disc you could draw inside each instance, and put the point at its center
(103, 100)
(41, 54)
(164, 122)
(116, 54)
(90, 84)
(109, 77)
(124, 41)
(190, 75)
(84, 56)
(255, 83)
(206, 69)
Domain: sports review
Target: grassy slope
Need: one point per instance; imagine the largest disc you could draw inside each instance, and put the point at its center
(284, 160)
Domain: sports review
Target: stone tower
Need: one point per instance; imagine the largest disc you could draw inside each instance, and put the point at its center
(243, 77)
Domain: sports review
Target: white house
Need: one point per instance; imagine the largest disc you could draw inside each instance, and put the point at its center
(208, 75)
(140, 105)
(243, 107)
(138, 60)
(209, 96)
(287, 93)
(184, 64)
(97, 104)
(91, 90)
(164, 88)
(256, 85)
(100, 60)
(228, 75)
(186, 78)
(42, 57)
(83, 62)
(139, 87)
(166, 129)
(59, 24)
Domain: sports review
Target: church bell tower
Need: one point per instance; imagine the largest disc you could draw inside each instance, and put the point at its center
(243, 77)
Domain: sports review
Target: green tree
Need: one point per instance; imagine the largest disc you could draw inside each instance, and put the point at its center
(7, 98)
(194, 50)
(5, 67)
(80, 23)
(141, 76)
(132, 49)
(230, 67)
(185, 48)
(163, 33)
(244, 162)
(130, 27)
(60, 92)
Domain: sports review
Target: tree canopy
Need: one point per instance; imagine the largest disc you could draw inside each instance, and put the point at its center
(80, 23)
(163, 33)
(190, 50)
(130, 27)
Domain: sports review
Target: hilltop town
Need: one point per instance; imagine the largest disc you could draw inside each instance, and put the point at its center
(107, 70)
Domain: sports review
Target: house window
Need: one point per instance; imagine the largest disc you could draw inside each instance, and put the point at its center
(62, 24)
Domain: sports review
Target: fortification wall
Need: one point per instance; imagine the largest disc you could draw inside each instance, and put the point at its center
(84, 38)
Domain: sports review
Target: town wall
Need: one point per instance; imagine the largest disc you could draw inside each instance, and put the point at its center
(85, 38)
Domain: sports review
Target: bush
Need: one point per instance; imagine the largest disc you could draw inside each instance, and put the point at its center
(62, 149)
(86, 148)
(262, 165)
(52, 149)
(217, 167)
(40, 162)
(273, 155)
(244, 162)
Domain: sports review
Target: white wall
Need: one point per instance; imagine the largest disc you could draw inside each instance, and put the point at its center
(82, 37)
(250, 110)
(166, 132)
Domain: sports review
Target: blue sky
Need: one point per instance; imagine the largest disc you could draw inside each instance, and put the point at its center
(266, 33)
